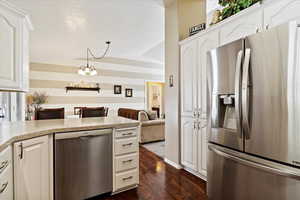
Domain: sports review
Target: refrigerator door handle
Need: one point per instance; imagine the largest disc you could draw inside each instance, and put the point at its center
(238, 91)
(245, 93)
(281, 171)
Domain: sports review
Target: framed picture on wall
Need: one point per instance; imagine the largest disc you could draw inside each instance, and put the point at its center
(128, 92)
(77, 110)
(117, 89)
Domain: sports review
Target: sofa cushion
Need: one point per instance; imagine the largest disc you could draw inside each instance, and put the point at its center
(143, 116)
(153, 122)
(152, 115)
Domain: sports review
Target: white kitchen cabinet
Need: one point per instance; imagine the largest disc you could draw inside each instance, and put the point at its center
(6, 174)
(32, 169)
(193, 70)
(125, 159)
(189, 65)
(189, 142)
(202, 148)
(14, 48)
(206, 43)
(242, 25)
(281, 11)
(193, 133)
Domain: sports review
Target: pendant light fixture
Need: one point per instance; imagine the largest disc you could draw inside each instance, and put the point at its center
(88, 69)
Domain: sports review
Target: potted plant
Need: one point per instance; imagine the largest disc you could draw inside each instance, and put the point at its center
(231, 7)
(34, 102)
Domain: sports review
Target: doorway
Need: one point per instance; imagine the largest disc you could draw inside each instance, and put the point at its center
(155, 97)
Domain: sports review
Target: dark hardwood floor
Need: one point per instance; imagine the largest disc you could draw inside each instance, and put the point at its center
(160, 181)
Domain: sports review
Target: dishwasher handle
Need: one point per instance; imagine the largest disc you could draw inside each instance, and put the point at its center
(82, 134)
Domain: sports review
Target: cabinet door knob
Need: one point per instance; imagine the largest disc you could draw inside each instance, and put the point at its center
(195, 114)
(199, 112)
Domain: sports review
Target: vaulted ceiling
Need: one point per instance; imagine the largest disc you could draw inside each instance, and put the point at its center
(63, 29)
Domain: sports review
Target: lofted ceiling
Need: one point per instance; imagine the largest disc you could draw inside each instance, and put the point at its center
(63, 29)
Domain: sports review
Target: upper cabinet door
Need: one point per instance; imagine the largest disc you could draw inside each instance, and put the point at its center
(14, 49)
(188, 71)
(241, 26)
(205, 43)
(281, 12)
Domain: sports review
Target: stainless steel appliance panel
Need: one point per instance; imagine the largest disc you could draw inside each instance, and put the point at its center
(224, 92)
(270, 95)
(235, 177)
(83, 164)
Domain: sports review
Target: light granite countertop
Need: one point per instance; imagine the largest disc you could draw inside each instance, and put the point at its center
(11, 132)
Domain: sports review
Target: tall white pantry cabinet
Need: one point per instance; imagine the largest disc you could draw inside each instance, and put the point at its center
(193, 58)
(193, 102)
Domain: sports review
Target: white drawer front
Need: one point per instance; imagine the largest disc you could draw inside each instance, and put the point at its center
(123, 146)
(5, 160)
(126, 179)
(121, 133)
(127, 162)
(6, 184)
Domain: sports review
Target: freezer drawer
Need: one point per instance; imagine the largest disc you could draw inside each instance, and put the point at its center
(236, 176)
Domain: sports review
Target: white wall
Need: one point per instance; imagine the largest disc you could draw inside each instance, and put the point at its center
(178, 18)
(52, 79)
(172, 150)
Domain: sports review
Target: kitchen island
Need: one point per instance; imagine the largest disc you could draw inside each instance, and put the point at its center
(27, 154)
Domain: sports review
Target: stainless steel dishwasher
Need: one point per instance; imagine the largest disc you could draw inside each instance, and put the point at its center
(83, 164)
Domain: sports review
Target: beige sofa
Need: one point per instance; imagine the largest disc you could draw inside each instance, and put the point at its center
(151, 129)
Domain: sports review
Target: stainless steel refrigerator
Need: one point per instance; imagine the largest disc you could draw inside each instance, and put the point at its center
(12, 106)
(254, 117)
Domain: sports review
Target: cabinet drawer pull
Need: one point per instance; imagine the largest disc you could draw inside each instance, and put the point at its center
(127, 134)
(127, 161)
(3, 166)
(3, 187)
(129, 144)
(127, 178)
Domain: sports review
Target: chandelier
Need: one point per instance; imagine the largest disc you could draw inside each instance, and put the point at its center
(88, 69)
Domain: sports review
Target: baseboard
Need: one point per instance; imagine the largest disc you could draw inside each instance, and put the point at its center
(195, 173)
(177, 166)
(124, 189)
